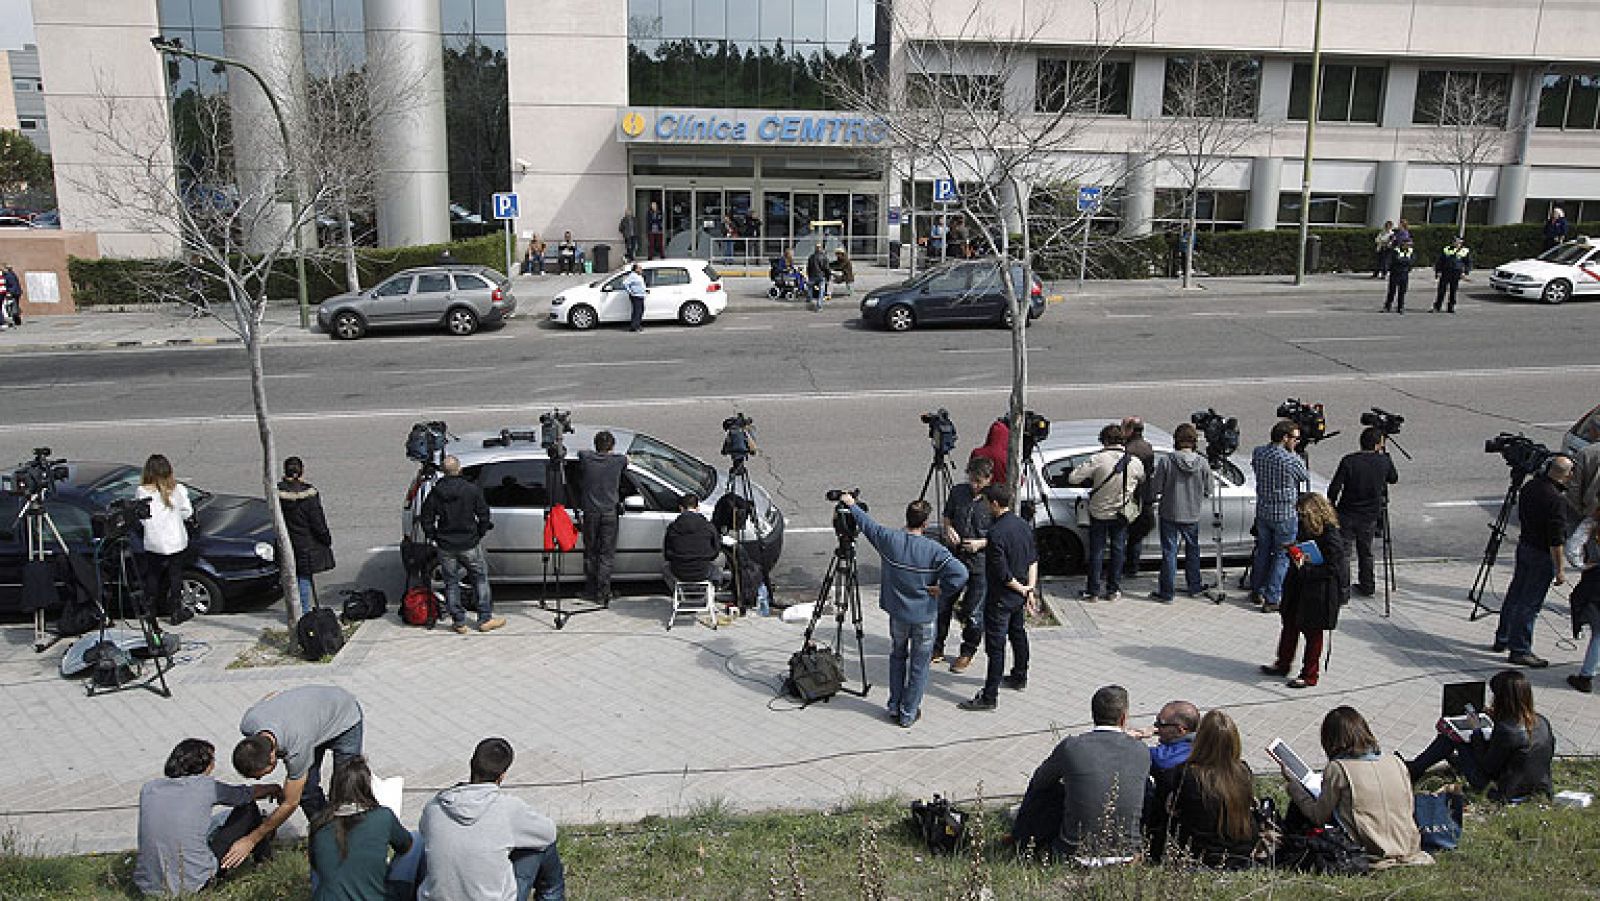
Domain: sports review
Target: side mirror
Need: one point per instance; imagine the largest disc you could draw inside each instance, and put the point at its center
(633, 503)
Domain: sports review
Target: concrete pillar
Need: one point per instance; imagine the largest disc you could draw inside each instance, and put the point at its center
(1139, 200)
(265, 35)
(1388, 193)
(1511, 194)
(1399, 96)
(1266, 179)
(413, 191)
(1146, 85)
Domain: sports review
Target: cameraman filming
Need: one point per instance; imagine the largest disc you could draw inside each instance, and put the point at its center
(1359, 490)
(1539, 561)
(600, 501)
(917, 572)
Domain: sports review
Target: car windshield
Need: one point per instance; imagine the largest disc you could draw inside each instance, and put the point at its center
(672, 466)
(1566, 254)
(121, 483)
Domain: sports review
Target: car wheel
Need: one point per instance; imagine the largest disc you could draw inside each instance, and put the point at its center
(200, 593)
(461, 321)
(693, 313)
(348, 325)
(1060, 551)
(582, 317)
(1557, 291)
(899, 318)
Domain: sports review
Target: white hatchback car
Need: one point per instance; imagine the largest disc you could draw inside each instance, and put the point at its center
(688, 291)
(1559, 273)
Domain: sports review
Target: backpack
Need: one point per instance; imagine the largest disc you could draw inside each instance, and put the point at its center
(363, 603)
(420, 606)
(319, 634)
(941, 826)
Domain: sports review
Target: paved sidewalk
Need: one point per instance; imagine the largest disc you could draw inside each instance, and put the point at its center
(615, 718)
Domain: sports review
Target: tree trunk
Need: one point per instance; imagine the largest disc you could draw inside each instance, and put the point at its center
(1461, 214)
(1188, 239)
(352, 275)
(269, 483)
(1017, 304)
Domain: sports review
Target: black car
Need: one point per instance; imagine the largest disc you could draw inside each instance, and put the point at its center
(964, 292)
(233, 548)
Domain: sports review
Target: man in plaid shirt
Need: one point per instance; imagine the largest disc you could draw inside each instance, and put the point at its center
(1280, 473)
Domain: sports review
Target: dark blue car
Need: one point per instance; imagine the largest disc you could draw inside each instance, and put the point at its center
(967, 292)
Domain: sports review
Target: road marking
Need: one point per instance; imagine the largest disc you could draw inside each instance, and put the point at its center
(1351, 338)
(1564, 426)
(246, 378)
(1215, 313)
(747, 328)
(616, 363)
(1130, 315)
(1481, 502)
(49, 385)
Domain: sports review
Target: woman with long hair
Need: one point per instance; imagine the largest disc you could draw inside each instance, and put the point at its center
(307, 527)
(1513, 754)
(1206, 807)
(166, 537)
(1583, 554)
(1313, 591)
(351, 838)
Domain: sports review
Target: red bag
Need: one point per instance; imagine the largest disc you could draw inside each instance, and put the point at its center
(559, 532)
(420, 607)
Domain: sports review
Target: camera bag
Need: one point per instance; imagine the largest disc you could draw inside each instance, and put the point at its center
(941, 826)
(816, 673)
(318, 632)
(363, 603)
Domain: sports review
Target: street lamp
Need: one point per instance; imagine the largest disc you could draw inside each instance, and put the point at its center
(174, 46)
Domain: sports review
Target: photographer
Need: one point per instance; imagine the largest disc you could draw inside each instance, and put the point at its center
(455, 517)
(1182, 481)
(1279, 473)
(1133, 439)
(600, 502)
(917, 573)
(1539, 561)
(166, 537)
(966, 531)
(1358, 491)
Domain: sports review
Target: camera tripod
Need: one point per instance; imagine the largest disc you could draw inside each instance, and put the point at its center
(1219, 592)
(841, 585)
(41, 528)
(941, 476)
(1388, 538)
(1491, 551)
(129, 592)
(555, 480)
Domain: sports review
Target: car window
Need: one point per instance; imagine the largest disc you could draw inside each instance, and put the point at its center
(10, 508)
(513, 483)
(953, 280)
(1588, 428)
(614, 285)
(71, 521)
(393, 287)
(1566, 254)
(656, 495)
(465, 282)
(677, 469)
(986, 279)
(665, 276)
(1055, 473)
(433, 283)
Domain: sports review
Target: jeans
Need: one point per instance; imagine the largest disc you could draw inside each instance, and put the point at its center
(1358, 535)
(1591, 657)
(454, 565)
(630, 246)
(1102, 532)
(240, 822)
(345, 745)
(1460, 755)
(307, 593)
(636, 305)
(1134, 545)
(912, 645)
(599, 552)
(1171, 534)
(1271, 562)
(968, 606)
(1530, 581)
(541, 872)
(1003, 622)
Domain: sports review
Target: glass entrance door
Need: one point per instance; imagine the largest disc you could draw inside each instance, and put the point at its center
(680, 221)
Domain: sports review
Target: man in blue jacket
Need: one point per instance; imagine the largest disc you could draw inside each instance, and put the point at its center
(917, 571)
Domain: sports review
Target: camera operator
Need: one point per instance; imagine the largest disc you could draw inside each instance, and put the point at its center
(690, 547)
(1358, 491)
(166, 537)
(600, 501)
(1583, 492)
(917, 573)
(966, 531)
(455, 517)
(1012, 566)
(1133, 440)
(1279, 473)
(1539, 561)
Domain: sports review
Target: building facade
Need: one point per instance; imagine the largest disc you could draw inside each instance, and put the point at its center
(717, 111)
(27, 95)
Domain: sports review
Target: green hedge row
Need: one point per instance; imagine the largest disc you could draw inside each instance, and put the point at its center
(118, 280)
(1351, 249)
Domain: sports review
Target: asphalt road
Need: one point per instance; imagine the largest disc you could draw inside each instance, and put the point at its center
(837, 405)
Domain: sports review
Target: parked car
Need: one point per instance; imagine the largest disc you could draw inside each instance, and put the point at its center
(15, 222)
(515, 481)
(1583, 433)
(1560, 273)
(47, 219)
(460, 298)
(686, 290)
(965, 292)
(234, 545)
(1061, 527)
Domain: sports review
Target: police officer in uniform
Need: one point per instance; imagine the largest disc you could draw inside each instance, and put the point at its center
(1399, 276)
(1454, 262)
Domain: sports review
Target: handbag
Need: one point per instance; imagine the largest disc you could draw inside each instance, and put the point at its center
(1438, 815)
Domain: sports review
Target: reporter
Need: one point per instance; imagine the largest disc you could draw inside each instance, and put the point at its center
(1312, 592)
(166, 537)
(1514, 754)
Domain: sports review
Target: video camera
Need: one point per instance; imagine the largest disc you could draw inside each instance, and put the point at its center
(1524, 455)
(1382, 420)
(119, 519)
(844, 522)
(941, 431)
(425, 444)
(39, 475)
(1035, 428)
(737, 442)
(552, 426)
(1221, 434)
(1309, 419)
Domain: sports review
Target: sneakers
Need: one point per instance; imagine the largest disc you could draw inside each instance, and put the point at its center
(1015, 683)
(1584, 684)
(1268, 607)
(1302, 682)
(1158, 596)
(1528, 659)
(961, 663)
(938, 657)
(1086, 595)
(498, 622)
(908, 723)
(978, 702)
(1199, 592)
(461, 629)
(1112, 596)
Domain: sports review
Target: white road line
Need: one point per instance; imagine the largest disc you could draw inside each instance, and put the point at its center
(1481, 502)
(1552, 425)
(610, 363)
(1215, 313)
(246, 378)
(1351, 338)
(48, 385)
(747, 328)
(1287, 312)
(1130, 315)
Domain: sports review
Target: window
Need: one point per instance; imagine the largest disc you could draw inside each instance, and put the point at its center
(951, 281)
(394, 287)
(1211, 87)
(433, 283)
(665, 277)
(1576, 210)
(1214, 210)
(513, 483)
(1326, 209)
(950, 91)
(71, 521)
(1442, 210)
(1448, 97)
(1056, 471)
(28, 124)
(1570, 100)
(1349, 93)
(466, 282)
(1083, 86)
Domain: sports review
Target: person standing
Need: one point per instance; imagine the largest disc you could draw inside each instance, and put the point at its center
(1182, 481)
(1381, 249)
(1539, 563)
(350, 841)
(1583, 553)
(628, 228)
(654, 227)
(995, 448)
(1133, 440)
(1313, 590)
(918, 573)
(600, 503)
(1454, 264)
(1115, 477)
(308, 528)
(1401, 235)
(1359, 490)
(455, 517)
(11, 303)
(166, 537)
(1555, 228)
(1400, 262)
(1012, 567)
(633, 283)
(817, 274)
(179, 851)
(966, 529)
(1279, 474)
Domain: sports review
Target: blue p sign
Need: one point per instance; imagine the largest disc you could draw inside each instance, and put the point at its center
(505, 206)
(944, 190)
(1088, 198)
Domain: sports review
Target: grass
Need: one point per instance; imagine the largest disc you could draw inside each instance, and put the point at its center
(277, 647)
(867, 851)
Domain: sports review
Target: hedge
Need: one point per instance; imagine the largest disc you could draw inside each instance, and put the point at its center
(1351, 250)
(118, 280)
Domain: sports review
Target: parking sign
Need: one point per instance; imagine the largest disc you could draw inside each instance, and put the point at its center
(944, 190)
(505, 205)
(1088, 198)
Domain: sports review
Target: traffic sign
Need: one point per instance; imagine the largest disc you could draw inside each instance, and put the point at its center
(505, 205)
(1089, 198)
(944, 190)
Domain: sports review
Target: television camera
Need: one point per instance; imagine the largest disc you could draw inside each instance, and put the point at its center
(941, 431)
(552, 426)
(1309, 418)
(1221, 434)
(1525, 456)
(39, 475)
(738, 441)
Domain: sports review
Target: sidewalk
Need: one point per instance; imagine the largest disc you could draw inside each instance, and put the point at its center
(615, 718)
(148, 326)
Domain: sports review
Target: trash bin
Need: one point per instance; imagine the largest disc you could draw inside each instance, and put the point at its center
(602, 257)
(894, 254)
(1313, 252)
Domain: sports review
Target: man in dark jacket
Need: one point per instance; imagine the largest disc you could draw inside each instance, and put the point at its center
(966, 529)
(1134, 443)
(1399, 276)
(1453, 264)
(599, 501)
(307, 526)
(1359, 490)
(1539, 561)
(691, 546)
(1012, 567)
(455, 517)
(817, 273)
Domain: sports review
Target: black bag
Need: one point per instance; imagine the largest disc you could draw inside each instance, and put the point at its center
(112, 666)
(1321, 850)
(363, 603)
(425, 443)
(417, 558)
(750, 576)
(941, 826)
(319, 634)
(816, 673)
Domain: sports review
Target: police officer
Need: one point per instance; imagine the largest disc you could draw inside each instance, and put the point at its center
(1454, 262)
(1399, 276)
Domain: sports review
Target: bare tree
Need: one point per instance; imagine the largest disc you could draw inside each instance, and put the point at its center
(189, 193)
(1470, 112)
(1211, 102)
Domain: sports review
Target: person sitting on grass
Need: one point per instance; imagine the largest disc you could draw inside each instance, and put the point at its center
(179, 847)
(350, 840)
(1514, 754)
(1206, 811)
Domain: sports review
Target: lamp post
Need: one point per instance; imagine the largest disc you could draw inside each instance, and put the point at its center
(1311, 140)
(165, 45)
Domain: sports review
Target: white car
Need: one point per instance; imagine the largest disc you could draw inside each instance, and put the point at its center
(688, 291)
(1583, 433)
(1557, 274)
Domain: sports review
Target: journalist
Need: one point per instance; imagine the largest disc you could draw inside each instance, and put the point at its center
(690, 549)
(1115, 478)
(1182, 481)
(917, 572)
(1359, 490)
(455, 517)
(1539, 563)
(600, 501)
(966, 531)
(1279, 473)
(1134, 441)
(1012, 567)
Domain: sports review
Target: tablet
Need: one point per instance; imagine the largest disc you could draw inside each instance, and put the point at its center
(1302, 773)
